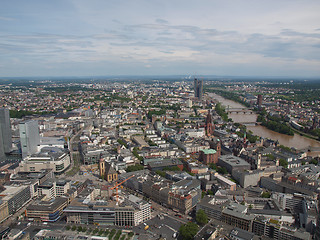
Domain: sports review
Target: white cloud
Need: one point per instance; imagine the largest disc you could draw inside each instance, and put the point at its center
(234, 35)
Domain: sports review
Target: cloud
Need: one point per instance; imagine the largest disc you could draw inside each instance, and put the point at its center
(210, 36)
(6, 18)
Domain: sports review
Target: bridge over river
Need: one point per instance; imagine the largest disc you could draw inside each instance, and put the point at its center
(239, 110)
(241, 114)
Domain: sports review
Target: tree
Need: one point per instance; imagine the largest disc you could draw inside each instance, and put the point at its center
(203, 193)
(201, 217)
(210, 192)
(314, 161)
(222, 170)
(283, 163)
(266, 195)
(136, 167)
(188, 231)
(112, 233)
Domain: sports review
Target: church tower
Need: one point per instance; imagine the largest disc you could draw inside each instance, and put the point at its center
(102, 167)
(209, 125)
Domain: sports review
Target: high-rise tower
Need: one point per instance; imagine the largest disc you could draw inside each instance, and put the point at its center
(198, 88)
(5, 131)
(29, 137)
(259, 100)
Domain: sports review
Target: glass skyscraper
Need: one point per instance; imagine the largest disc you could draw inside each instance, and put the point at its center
(5, 132)
(198, 88)
(29, 137)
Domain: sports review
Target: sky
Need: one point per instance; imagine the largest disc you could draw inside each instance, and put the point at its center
(159, 37)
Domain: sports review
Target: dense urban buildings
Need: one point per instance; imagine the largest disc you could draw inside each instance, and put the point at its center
(148, 158)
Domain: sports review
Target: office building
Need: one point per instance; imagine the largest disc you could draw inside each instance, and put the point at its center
(198, 88)
(5, 132)
(52, 158)
(2, 155)
(232, 163)
(46, 211)
(4, 210)
(16, 197)
(29, 137)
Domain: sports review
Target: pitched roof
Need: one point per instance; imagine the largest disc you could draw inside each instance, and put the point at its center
(110, 169)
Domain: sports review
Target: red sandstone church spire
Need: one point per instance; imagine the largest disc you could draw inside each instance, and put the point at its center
(209, 126)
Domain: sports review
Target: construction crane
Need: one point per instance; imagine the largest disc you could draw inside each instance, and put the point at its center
(118, 184)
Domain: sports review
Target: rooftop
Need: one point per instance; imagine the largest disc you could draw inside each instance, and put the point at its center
(208, 151)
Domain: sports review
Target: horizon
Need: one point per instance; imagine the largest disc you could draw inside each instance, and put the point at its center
(163, 77)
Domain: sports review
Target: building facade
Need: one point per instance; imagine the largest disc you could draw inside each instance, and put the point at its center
(16, 197)
(58, 161)
(47, 211)
(208, 156)
(5, 131)
(4, 210)
(29, 137)
(198, 88)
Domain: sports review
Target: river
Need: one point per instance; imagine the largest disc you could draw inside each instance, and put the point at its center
(297, 141)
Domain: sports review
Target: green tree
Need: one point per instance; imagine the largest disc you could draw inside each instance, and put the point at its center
(314, 161)
(122, 142)
(203, 193)
(266, 195)
(283, 163)
(188, 231)
(222, 170)
(73, 228)
(201, 217)
(210, 192)
(112, 233)
(67, 227)
(106, 232)
(136, 167)
(161, 173)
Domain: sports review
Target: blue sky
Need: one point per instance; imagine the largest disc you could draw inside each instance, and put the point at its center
(151, 37)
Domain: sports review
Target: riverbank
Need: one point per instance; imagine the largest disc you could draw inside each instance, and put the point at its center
(305, 134)
(297, 141)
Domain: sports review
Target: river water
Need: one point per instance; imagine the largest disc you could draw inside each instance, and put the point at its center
(296, 141)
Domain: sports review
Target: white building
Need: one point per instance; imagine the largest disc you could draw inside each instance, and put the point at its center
(49, 158)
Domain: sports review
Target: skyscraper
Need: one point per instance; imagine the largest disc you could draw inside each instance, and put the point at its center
(29, 137)
(2, 155)
(5, 131)
(198, 88)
